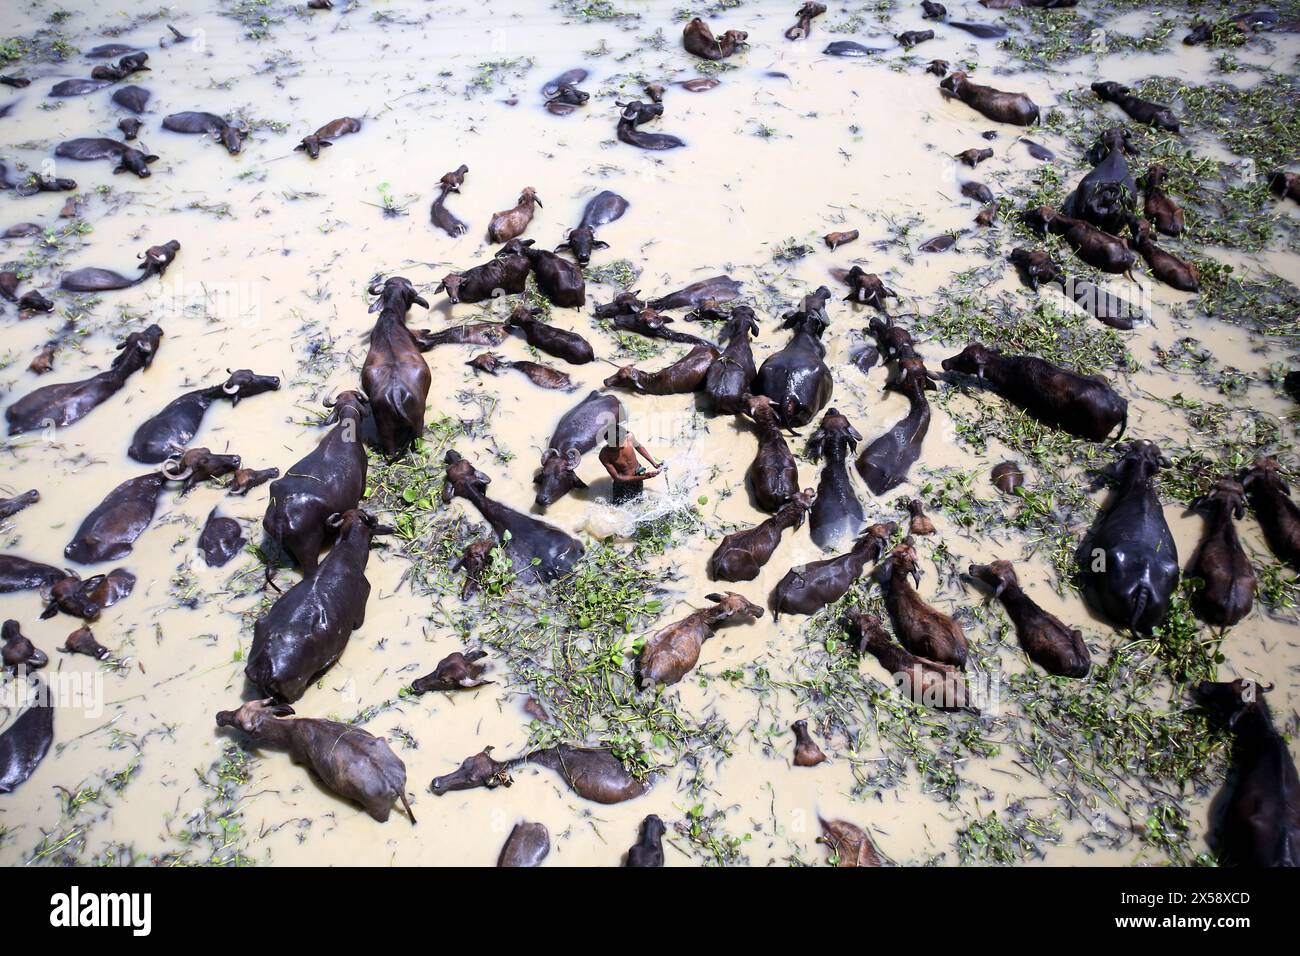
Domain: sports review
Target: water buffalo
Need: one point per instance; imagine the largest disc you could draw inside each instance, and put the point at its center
(1107, 195)
(313, 143)
(561, 343)
(78, 87)
(673, 651)
(1165, 266)
(171, 429)
(849, 844)
(1285, 185)
(633, 116)
(806, 751)
(648, 851)
(474, 560)
(1051, 645)
(61, 405)
(1016, 108)
(395, 376)
(603, 208)
(208, 124)
(836, 511)
(220, 540)
(327, 481)
(456, 671)
(128, 65)
(503, 274)
(82, 641)
(1097, 248)
(558, 279)
(1144, 111)
(698, 39)
(469, 333)
(509, 223)
(920, 680)
(867, 288)
(729, 378)
(11, 506)
(132, 98)
(1277, 514)
(538, 551)
(884, 463)
(851, 48)
(593, 773)
(681, 377)
(1261, 813)
(541, 375)
(653, 325)
(88, 149)
(1129, 560)
(87, 599)
(1036, 267)
(922, 629)
(913, 38)
(773, 476)
(22, 574)
(528, 845)
(919, 523)
(27, 740)
(596, 420)
(834, 240)
(742, 554)
(808, 588)
(714, 291)
(796, 378)
(624, 303)
(1219, 560)
(439, 214)
(1157, 206)
(244, 480)
(349, 761)
(154, 262)
(1083, 405)
(18, 652)
(307, 629)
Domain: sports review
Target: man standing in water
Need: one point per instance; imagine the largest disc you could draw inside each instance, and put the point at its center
(629, 475)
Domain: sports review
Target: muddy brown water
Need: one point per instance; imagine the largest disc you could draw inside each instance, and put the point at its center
(277, 252)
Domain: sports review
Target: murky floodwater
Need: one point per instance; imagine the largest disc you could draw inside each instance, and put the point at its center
(277, 251)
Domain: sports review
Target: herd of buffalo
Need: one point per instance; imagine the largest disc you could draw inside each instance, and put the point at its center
(1128, 559)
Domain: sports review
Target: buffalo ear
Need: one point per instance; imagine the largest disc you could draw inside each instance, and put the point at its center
(447, 492)
(324, 143)
(151, 158)
(855, 434)
(280, 710)
(421, 301)
(714, 597)
(599, 244)
(300, 147)
(578, 482)
(376, 305)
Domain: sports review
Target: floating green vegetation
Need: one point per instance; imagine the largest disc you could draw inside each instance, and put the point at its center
(594, 10)
(214, 834)
(568, 647)
(707, 834)
(1226, 203)
(993, 840)
(621, 273)
(43, 46)
(257, 17)
(488, 74)
(1065, 336)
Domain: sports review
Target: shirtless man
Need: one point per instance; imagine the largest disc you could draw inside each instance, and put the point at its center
(629, 474)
